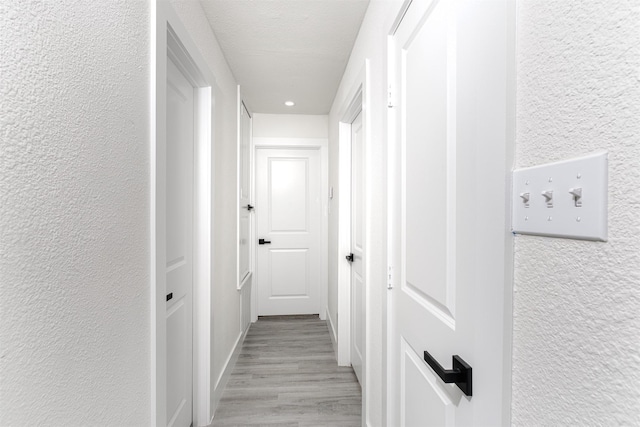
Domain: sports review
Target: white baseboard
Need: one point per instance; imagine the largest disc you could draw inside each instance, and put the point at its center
(332, 334)
(221, 383)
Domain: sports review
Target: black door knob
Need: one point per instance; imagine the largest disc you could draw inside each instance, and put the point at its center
(249, 207)
(264, 242)
(349, 257)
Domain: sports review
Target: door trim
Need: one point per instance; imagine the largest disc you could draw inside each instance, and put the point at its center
(169, 38)
(356, 102)
(322, 145)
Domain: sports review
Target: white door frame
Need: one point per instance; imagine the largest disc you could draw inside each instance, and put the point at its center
(321, 144)
(356, 102)
(169, 38)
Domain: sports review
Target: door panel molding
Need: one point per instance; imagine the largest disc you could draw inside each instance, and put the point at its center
(436, 399)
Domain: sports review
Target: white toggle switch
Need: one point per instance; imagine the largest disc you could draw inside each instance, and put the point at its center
(577, 195)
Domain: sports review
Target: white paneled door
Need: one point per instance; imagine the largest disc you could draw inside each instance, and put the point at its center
(357, 248)
(288, 212)
(179, 232)
(245, 208)
(449, 232)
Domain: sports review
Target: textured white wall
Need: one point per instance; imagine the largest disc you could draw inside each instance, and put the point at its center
(74, 232)
(290, 126)
(74, 335)
(577, 304)
(225, 298)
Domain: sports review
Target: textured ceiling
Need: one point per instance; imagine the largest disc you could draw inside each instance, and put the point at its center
(282, 50)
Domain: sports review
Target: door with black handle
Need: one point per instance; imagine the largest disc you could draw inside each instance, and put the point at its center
(449, 254)
(288, 218)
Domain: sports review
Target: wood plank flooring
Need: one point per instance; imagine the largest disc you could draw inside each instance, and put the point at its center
(287, 376)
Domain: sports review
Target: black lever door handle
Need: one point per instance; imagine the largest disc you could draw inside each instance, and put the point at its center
(264, 242)
(349, 257)
(249, 207)
(460, 374)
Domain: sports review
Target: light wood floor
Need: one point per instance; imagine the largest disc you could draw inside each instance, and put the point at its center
(287, 375)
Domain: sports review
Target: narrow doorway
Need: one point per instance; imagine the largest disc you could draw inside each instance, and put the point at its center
(288, 224)
(180, 226)
(351, 345)
(179, 245)
(356, 255)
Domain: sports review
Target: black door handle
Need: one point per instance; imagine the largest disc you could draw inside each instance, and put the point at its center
(460, 374)
(349, 257)
(264, 242)
(249, 207)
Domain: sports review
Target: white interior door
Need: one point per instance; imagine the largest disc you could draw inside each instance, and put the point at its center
(450, 231)
(288, 210)
(179, 232)
(357, 248)
(245, 207)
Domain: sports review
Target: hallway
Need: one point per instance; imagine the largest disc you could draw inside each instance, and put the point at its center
(132, 213)
(287, 375)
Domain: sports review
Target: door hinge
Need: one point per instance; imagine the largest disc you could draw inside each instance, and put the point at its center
(390, 97)
(390, 279)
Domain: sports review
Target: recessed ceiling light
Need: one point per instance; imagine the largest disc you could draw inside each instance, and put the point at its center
(289, 103)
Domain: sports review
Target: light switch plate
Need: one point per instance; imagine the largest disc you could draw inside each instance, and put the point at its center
(563, 199)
